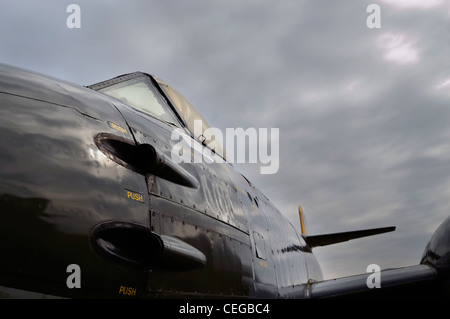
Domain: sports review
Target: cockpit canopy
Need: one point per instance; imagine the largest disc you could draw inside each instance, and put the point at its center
(145, 93)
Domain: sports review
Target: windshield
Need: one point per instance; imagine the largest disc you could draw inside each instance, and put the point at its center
(193, 117)
(141, 95)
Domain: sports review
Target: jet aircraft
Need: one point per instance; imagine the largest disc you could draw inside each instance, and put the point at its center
(93, 205)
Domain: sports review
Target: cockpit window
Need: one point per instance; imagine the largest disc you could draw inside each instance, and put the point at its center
(142, 96)
(138, 90)
(193, 117)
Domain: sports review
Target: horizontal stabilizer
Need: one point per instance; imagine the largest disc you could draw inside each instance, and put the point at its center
(334, 238)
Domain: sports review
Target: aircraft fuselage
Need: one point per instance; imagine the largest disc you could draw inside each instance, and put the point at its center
(86, 179)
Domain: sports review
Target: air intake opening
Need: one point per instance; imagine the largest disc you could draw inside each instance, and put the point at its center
(144, 159)
(127, 243)
(139, 158)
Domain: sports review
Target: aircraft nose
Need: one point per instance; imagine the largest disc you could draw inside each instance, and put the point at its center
(56, 185)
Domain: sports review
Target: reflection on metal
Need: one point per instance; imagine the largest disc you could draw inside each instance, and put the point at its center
(143, 159)
(179, 254)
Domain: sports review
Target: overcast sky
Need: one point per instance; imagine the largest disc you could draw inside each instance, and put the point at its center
(364, 114)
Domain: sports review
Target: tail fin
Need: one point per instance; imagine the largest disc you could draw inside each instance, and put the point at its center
(302, 220)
